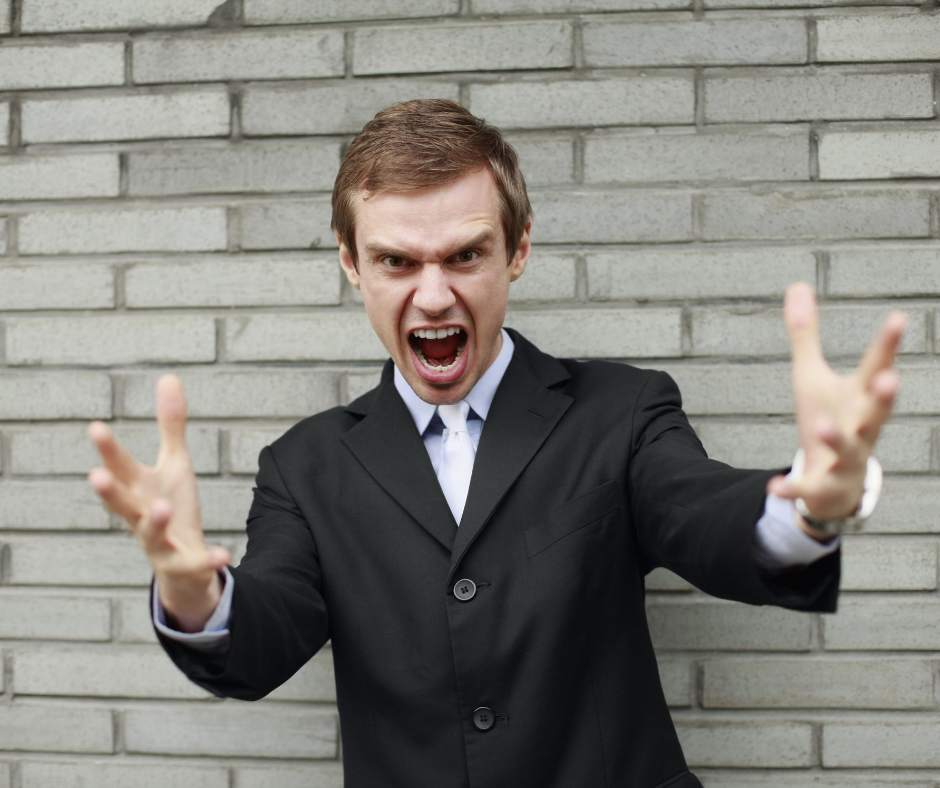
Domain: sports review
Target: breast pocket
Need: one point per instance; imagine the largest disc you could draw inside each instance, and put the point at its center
(573, 517)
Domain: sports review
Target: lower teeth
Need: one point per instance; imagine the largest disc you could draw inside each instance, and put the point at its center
(435, 368)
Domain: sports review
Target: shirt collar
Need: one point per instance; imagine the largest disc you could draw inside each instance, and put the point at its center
(479, 399)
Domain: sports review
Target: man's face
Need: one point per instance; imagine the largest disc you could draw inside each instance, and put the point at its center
(434, 277)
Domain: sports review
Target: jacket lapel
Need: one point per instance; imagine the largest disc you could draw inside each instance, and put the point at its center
(523, 414)
(388, 446)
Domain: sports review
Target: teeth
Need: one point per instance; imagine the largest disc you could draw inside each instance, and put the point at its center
(436, 368)
(436, 333)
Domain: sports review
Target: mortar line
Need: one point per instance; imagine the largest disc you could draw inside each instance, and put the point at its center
(699, 99)
(812, 41)
(129, 62)
(813, 152)
(16, 17)
(348, 42)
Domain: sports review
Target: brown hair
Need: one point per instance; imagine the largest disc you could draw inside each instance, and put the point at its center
(427, 142)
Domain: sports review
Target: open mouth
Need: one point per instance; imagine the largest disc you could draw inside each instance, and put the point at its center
(439, 351)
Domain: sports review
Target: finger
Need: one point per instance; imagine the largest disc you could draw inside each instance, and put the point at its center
(782, 487)
(115, 496)
(117, 459)
(217, 557)
(827, 432)
(171, 413)
(880, 354)
(801, 317)
(877, 408)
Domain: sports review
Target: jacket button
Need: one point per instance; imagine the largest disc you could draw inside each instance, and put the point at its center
(465, 590)
(483, 719)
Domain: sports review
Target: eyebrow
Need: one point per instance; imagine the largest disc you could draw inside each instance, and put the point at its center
(377, 250)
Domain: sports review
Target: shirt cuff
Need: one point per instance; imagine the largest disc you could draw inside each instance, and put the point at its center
(781, 543)
(215, 635)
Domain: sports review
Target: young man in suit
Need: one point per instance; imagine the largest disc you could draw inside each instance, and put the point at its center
(474, 533)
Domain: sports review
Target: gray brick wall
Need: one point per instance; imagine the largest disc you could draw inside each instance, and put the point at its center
(165, 168)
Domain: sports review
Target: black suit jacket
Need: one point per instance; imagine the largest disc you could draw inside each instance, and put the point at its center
(587, 476)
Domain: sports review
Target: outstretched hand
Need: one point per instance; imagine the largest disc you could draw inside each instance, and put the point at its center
(838, 417)
(161, 507)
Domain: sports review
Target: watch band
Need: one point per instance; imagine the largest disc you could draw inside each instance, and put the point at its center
(854, 522)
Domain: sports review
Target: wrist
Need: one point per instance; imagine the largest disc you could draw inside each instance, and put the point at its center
(189, 604)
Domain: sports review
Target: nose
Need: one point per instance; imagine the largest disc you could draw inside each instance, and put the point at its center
(433, 294)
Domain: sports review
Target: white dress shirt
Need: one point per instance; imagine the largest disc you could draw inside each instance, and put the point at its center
(780, 541)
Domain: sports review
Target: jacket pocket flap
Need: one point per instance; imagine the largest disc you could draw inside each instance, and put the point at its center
(572, 516)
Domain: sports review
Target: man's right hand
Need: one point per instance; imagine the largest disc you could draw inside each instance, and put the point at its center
(161, 507)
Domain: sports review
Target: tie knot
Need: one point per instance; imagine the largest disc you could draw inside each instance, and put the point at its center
(455, 416)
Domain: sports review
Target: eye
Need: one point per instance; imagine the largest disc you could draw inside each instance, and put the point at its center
(467, 256)
(393, 262)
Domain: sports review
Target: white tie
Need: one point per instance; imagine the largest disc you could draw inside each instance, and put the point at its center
(457, 454)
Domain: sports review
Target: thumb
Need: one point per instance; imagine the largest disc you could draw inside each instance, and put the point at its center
(171, 412)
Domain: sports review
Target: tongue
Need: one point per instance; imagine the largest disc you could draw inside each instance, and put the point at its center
(443, 351)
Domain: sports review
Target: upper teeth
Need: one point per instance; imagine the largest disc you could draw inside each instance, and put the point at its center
(436, 333)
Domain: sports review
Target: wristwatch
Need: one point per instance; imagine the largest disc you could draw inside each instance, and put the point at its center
(854, 522)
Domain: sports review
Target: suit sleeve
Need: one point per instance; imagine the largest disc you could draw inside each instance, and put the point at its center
(697, 516)
(279, 618)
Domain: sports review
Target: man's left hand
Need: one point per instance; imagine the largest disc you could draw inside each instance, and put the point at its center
(838, 417)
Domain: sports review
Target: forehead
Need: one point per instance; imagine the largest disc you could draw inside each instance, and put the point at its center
(432, 219)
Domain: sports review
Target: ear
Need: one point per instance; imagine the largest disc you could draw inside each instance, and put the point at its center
(346, 261)
(521, 257)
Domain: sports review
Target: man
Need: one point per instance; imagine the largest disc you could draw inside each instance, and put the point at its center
(473, 534)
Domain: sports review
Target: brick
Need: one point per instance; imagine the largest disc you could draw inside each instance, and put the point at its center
(134, 622)
(545, 161)
(326, 336)
(676, 678)
(322, 775)
(194, 229)
(246, 443)
(686, 41)
(759, 330)
(611, 217)
(611, 102)
(358, 383)
(605, 333)
(547, 277)
(902, 623)
(54, 729)
(697, 273)
(237, 281)
(866, 155)
(58, 177)
(723, 626)
(689, 156)
(3, 236)
(101, 672)
(765, 744)
(66, 65)
(313, 682)
(817, 95)
(884, 271)
(762, 389)
(804, 779)
(287, 225)
(59, 15)
(272, 731)
(5, 7)
(919, 390)
(464, 47)
(663, 580)
(275, 12)
(45, 617)
(58, 505)
(331, 109)
(68, 449)
(147, 116)
(268, 393)
(110, 340)
(567, 6)
(745, 444)
(112, 560)
(873, 743)
(814, 214)
(283, 167)
(56, 287)
(4, 124)
(889, 564)
(907, 506)
(104, 774)
(55, 395)
(875, 37)
(224, 504)
(283, 55)
(818, 683)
